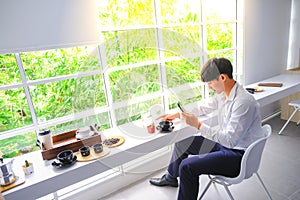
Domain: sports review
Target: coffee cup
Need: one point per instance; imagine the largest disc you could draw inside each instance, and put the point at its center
(83, 132)
(65, 157)
(148, 123)
(98, 148)
(85, 151)
(165, 126)
(45, 139)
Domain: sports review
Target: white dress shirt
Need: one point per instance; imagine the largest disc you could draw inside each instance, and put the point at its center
(239, 119)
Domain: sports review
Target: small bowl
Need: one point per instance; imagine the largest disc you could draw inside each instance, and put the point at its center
(98, 148)
(65, 157)
(85, 151)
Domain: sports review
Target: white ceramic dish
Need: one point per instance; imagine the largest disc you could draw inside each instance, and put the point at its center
(79, 136)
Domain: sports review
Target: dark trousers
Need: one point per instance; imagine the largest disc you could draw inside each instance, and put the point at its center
(210, 158)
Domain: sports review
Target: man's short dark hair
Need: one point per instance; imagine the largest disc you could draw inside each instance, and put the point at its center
(214, 67)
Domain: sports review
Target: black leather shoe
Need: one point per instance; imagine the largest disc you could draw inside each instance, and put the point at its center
(163, 182)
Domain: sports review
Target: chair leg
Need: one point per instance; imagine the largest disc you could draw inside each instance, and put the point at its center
(206, 188)
(263, 185)
(292, 115)
(228, 192)
(298, 109)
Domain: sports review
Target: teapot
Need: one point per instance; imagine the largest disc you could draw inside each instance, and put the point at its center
(7, 176)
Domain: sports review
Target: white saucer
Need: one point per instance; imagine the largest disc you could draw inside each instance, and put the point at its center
(82, 137)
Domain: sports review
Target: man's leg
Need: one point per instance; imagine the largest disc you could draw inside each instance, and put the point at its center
(224, 162)
(195, 145)
(192, 145)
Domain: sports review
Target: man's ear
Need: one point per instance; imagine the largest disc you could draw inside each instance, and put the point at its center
(223, 77)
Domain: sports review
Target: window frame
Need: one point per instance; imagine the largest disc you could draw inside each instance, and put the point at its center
(104, 73)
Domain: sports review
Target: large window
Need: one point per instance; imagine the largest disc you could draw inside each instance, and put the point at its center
(151, 53)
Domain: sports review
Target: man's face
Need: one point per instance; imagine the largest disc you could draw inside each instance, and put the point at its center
(216, 85)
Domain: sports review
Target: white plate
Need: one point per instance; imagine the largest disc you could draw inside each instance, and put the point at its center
(82, 137)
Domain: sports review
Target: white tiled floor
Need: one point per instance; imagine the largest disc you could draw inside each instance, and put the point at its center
(280, 170)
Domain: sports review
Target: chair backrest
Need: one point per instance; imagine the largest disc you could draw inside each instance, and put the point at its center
(252, 157)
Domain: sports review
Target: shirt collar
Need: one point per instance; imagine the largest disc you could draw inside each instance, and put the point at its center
(233, 92)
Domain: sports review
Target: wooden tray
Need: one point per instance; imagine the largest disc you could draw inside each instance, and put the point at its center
(19, 180)
(68, 140)
(93, 155)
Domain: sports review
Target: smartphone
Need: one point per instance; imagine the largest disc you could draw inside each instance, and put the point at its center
(181, 107)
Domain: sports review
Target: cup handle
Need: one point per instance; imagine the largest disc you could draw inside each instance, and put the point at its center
(171, 128)
(56, 164)
(159, 128)
(38, 143)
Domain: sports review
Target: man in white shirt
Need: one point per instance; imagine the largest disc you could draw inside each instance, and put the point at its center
(219, 150)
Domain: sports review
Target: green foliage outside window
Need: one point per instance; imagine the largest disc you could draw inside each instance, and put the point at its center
(9, 71)
(58, 62)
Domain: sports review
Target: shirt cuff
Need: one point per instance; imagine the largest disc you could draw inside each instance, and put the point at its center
(180, 115)
(203, 129)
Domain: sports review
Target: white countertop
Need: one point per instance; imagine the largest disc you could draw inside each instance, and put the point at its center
(47, 179)
(291, 85)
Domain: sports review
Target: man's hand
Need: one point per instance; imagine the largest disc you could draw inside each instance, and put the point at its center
(191, 120)
(169, 117)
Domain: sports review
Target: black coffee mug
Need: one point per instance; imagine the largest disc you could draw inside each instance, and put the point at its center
(65, 157)
(98, 148)
(250, 90)
(85, 151)
(165, 126)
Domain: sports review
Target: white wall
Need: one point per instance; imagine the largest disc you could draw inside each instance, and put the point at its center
(294, 43)
(266, 38)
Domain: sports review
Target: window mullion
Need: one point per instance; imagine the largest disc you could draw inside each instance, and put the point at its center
(10, 87)
(204, 56)
(106, 85)
(64, 77)
(27, 92)
(160, 48)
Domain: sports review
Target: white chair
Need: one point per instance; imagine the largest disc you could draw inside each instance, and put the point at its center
(249, 165)
(296, 105)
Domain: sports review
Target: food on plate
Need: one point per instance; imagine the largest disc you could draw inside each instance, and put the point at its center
(113, 141)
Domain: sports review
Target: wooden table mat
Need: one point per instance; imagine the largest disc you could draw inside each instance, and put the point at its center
(20, 180)
(93, 155)
(121, 141)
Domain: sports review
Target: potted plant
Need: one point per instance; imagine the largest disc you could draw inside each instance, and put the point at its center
(27, 168)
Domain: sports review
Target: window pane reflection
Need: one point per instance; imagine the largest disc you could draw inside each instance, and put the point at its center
(131, 83)
(69, 96)
(178, 11)
(130, 47)
(115, 13)
(220, 32)
(51, 63)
